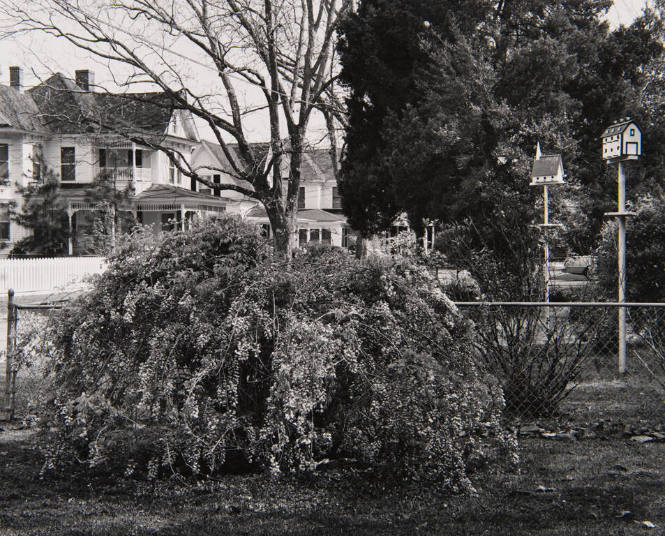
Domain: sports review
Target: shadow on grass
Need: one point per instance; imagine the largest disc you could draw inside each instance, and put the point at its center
(564, 487)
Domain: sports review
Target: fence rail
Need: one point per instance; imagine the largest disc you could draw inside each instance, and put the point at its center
(47, 274)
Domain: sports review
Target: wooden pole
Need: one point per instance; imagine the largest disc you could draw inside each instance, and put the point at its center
(621, 265)
(9, 352)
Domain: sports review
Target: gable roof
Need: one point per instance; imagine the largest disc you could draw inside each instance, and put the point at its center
(309, 215)
(316, 164)
(260, 150)
(618, 127)
(67, 109)
(18, 110)
(547, 166)
(169, 191)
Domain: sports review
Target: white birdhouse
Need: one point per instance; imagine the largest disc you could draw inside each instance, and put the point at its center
(547, 169)
(622, 140)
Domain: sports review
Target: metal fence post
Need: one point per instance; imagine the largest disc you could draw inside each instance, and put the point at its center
(11, 338)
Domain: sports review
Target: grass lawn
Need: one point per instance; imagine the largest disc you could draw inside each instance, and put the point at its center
(564, 486)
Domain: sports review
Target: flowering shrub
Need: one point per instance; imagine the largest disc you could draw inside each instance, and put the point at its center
(199, 353)
(30, 361)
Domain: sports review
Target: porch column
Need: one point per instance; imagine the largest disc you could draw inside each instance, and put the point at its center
(182, 217)
(134, 165)
(70, 238)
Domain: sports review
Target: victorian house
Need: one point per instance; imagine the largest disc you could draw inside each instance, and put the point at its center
(65, 126)
(319, 220)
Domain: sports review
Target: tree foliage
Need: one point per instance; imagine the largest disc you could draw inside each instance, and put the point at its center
(444, 119)
(198, 353)
(645, 252)
(43, 213)
(112, 216)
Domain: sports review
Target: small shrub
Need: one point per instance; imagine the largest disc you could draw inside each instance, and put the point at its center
(199, 353)
(536, 352)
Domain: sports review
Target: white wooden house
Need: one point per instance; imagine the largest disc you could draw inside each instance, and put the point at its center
(319, 217)
(81, 135)
(622, 140)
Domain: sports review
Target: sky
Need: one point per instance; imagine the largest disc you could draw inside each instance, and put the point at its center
(40, 55)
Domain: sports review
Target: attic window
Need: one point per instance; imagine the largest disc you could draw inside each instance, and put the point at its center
(632, 131)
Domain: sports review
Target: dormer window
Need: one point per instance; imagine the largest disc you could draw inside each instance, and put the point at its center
(4, 163)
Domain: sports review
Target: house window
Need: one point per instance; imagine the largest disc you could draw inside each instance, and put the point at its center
(313, 235)
(632, 131)
(67, 164)
(301, 197)
(138, 158)
(337, 199)
(36, 170)
(4, 221)
(302, 238)
(192, 184)
(4, 162)
(217, 179)
(326, 236)
(173, 172)
(36, 162)
(204, 188)
(346, 239)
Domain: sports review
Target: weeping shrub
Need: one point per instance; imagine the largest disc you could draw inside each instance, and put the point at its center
(198, 353)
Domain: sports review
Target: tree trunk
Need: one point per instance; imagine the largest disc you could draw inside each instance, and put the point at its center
(283, 228)
(361, 247)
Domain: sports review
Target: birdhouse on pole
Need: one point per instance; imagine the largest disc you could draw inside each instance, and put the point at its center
(547, 169)
(622, 140)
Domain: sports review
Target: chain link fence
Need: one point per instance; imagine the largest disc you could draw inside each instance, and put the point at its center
(558, 363)
(26, 357)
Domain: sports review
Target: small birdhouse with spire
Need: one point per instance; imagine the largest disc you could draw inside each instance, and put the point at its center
(622, 140)
(547, 169)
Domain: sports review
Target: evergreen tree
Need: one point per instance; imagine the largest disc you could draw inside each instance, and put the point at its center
(44, 213)
(447, 105)
(111, 217)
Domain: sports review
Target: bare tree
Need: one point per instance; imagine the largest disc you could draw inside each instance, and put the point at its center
(270, 57)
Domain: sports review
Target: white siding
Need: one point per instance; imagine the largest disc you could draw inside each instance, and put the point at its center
(85, 157)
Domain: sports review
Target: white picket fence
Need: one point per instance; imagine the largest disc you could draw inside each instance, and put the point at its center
(48, 274)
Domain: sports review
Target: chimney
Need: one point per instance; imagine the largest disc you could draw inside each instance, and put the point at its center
(84, 79)
(15, 77)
